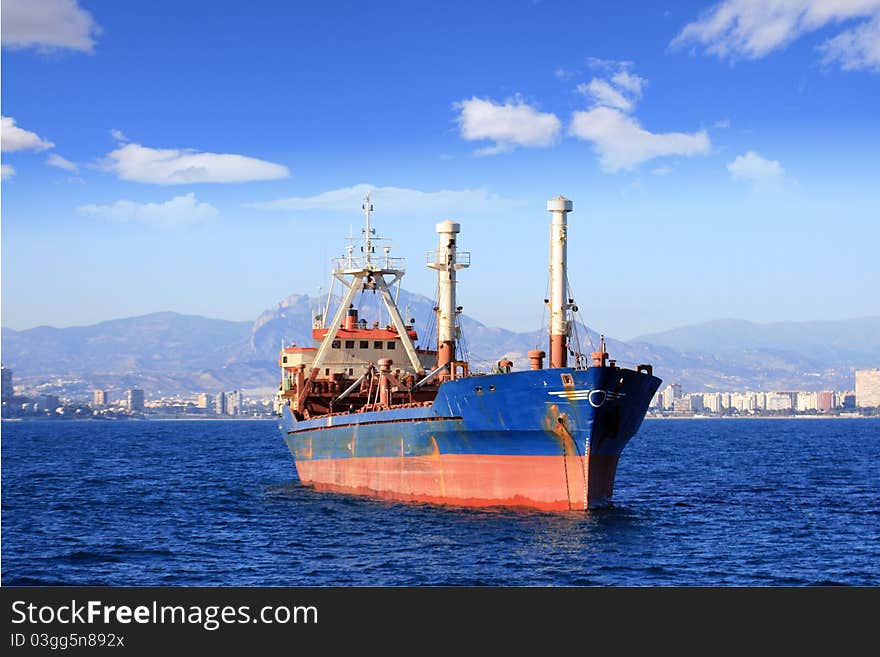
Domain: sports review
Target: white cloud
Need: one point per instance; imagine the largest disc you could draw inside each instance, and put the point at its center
(618, 138)
(395, 201)
(623, 144)
(17, 139)
(180, 210)
(628, 81)
(7, 171)
(722, 123)
(55, 160)
(562, 74)
(662, 171)
(604, 94)
(509, 125)
(47, 25)
(754, 28)
(754, 168)
(620, 88)
(607, 64)
(173, 166)
(857, 48)
(118, 135)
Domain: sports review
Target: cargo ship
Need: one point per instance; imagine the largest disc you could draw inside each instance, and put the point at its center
(366, 412)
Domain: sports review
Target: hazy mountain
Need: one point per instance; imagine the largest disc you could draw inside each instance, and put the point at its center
(166, 353)
(780, 355)
(163, 340)
(291, 320)
(161, 351)
(842, 340)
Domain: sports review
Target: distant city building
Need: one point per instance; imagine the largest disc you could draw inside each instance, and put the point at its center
(204, 401)
(681, 406)
(670, 394)
(135, 399)
(868, 388)
(761, 399)
(43, 403)
(792, 395)
(786, 402)
(779, 401)
(807, 401)
(101, 398)
(221, 404)
(712, 401)
(825, 400)
(7, 390)
(696, 402)
(233, 402)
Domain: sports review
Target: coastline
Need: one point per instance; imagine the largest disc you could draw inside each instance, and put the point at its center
(274, 419)
(762, 417)
(135, 419)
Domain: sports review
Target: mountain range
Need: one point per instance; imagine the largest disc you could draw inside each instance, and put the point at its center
(167, 353)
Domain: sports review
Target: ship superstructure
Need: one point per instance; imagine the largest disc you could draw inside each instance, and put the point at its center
(365, 411)
(356, 365)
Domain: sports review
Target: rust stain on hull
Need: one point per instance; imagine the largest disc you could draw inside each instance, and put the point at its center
(556, 423)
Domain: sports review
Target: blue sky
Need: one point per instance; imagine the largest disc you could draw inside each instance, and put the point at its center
(209, 157)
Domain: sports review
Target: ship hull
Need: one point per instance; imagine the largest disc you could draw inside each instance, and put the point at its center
(542, 439)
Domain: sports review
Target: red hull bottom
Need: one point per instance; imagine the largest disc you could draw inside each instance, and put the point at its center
(548, 483)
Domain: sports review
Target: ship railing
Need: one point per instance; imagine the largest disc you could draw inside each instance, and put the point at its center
(375, 262)
(462, 259)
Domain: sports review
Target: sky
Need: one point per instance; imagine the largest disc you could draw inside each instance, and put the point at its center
(209, 158)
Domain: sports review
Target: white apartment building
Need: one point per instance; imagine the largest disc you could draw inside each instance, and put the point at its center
(868, 388)
(807, 401)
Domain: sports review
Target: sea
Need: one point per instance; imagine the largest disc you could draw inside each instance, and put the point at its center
(714, 502)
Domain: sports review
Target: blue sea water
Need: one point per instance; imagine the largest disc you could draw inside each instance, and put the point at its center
(697, 502)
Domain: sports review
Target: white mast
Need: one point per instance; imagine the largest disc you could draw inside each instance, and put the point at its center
(447, 261)
(560, 328)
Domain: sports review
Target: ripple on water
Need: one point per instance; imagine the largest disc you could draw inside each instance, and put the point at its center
(189, 503)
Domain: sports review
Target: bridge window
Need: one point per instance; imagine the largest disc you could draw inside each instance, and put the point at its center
(377, 344)
(349, 344)
(284, 359)
(365, 344)
(392, 345)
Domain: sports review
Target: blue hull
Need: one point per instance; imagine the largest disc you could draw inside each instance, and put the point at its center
(546, 439)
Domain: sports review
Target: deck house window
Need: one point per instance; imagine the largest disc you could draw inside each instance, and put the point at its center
(377, 344)
(349, 344)
(365, 344)
(392, 345)
(335, 344)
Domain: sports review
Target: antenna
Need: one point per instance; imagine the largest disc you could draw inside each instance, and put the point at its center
(368, 232)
